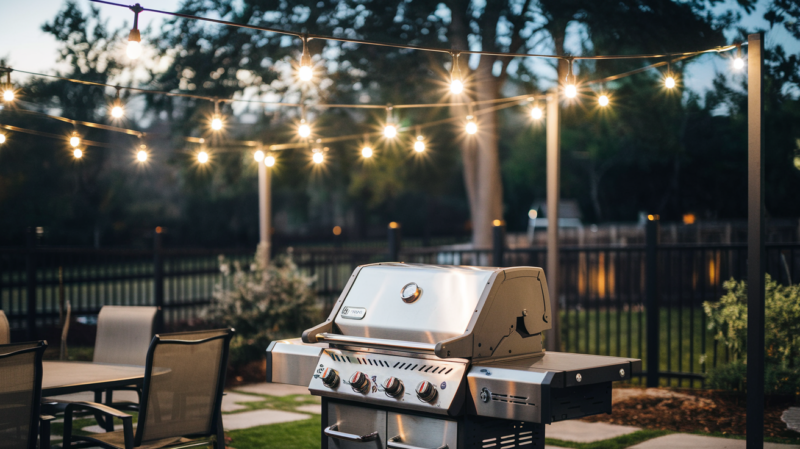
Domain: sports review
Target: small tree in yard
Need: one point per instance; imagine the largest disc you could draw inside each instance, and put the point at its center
(728, 319)
(263, 304)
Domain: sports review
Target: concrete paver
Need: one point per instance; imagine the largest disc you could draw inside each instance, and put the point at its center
(310, 408)
(792, 418)
(245, 420)
(272, 389)
(230, 401)
(702, 442)
(586, 432)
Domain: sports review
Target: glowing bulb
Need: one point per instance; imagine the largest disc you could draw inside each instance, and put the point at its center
(77, 153)
(738, 63)
(366, 152)
(141, 156)
(456, 87)
(472, 127)
(2, 138)
(8, 95)
(390, 131)
(74, 141)
(269, 161)
(134, 49)
(304, 130)
(306, 73)
(216, 123)
(669, 82)
(117, 111)
(419, 145)
(258, 156)
(318, 158)
(536, 113)
(202, 157)
(571, 91)
(602, 100)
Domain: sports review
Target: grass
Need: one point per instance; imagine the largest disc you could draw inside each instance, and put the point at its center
(614, 443)
(292, 435)
(284, 403)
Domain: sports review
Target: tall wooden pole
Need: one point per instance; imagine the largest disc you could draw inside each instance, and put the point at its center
(264, 210)
(756, 268)
(553, 341)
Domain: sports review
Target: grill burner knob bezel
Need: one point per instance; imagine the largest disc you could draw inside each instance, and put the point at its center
(330, 378)
(393, 387)
(426, 391)
(359, 382)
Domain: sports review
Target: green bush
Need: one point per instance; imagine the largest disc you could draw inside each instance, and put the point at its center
(263, 304)
(728, 319)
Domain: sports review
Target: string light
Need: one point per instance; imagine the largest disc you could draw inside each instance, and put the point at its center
(390, 130)
(75, 140)
(366, 152)
(738, 60)
(472, 126)
(117, 111)
(536, 111)
(456, 81)
(306, 70)
(570, 90)
(669, 80)
(602, 100)
(142, 155)
(8, 89)
(304, 130)
(419, 144)
(269, 161)
(317, 155)
(202, 157)
(2, 138)
(77, 153)
(216, 119)
(134, 49)
(258, 155)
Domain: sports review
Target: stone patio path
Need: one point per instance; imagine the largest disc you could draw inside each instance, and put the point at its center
(792, 418)
(702, 442)
(586, 432)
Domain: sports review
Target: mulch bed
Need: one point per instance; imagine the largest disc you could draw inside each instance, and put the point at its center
(703, 411)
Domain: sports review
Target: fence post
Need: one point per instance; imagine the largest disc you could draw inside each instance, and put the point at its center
(498, 242)
(158, 278)
(651, 300)
(30, 284)
(394, 241)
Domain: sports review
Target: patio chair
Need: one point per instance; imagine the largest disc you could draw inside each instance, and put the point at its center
(5, 329)
(181, 399)
(20, 396)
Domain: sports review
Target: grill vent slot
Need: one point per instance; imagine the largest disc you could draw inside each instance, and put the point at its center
(519, 400)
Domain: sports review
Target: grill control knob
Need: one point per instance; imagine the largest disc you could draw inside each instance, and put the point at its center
(393, 387)
(330, 378)
(426, 391)
(359, 382)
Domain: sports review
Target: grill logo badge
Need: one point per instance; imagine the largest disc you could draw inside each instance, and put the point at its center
(354, 313)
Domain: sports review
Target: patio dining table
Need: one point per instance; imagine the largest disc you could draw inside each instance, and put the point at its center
(60, 378)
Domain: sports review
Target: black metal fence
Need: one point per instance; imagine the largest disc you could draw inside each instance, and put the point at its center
(615, 300)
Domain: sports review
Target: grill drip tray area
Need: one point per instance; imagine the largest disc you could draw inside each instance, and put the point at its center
(360, 426)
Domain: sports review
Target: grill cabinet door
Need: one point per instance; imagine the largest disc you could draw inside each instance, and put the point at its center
(421, 432)
(356, 421)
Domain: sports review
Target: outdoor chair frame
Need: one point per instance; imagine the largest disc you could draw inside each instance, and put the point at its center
(5, 329)
(38, 426)
(214, 432)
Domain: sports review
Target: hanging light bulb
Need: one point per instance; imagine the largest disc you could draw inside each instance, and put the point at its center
(258, 155)
(366, 152)
(142, 155)
(738, 60)
(419, 144)
(570, 89)
(536, 111)
(8, 89)
(602, 100)
(77, 153)
(269, 161)
(472, 126)
(456, 81)
(202, 157)
(304, 130)
(134, 49)
(216, 119)
(75, 140)
(390, 130)
(317, 155)
(306, 70)
(669, 79)
(117, 111)
(2, 138)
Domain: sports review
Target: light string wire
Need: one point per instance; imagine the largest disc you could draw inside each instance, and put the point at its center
(308, 36)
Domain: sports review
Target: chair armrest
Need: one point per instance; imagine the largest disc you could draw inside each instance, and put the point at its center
(98, 408)
(44, 431)
(46, 418)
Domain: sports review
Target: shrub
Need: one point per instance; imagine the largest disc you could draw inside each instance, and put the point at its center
(263, 304)
(728, 318)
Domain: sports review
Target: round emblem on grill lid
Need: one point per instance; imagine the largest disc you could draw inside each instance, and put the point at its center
(410, 292)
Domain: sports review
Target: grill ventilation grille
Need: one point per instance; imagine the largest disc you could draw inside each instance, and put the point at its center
(519, 400)
(430, 369)
(521, 439)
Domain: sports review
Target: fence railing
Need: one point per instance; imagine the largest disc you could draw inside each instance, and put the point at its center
(627, 301)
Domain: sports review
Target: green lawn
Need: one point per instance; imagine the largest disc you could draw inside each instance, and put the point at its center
(293, 435)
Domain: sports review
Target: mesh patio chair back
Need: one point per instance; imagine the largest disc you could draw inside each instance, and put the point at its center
(124, 334)
(20, 394)
(5, 329)
(186, 400)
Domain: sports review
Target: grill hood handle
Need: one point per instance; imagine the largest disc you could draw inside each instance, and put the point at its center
(376, 342)
(333, 432)
(394, 443)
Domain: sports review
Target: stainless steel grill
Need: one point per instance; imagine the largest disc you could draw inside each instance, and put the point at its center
(424, 356)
